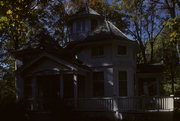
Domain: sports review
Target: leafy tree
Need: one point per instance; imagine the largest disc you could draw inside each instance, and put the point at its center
(20, 20)
(145, 24)
(172, 7)
(170, 59)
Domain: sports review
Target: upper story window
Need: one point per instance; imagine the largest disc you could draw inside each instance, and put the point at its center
(94, 24)
(123, 83)
(80, 26)
(122, 50)
(97, 51)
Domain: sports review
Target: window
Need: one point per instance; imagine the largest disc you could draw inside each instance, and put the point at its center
(80, 26)
(122, 83)
(94, 24)
(97, 51)
(122, 50)
(98, 84)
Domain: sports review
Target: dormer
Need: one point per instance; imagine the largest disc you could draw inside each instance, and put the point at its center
(83, 21)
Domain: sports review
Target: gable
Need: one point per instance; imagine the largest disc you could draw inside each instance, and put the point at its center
(47, 65)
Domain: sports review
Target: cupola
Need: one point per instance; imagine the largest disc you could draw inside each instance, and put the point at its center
(83, 21)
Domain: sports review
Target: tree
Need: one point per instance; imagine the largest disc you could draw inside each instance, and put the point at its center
(148, 22)
(20, 20)
(167, 53)
(172, 6)
(145, 24)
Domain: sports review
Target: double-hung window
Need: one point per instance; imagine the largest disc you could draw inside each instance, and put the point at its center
(123, 83)
(97, 51)
(98, 84)
(80, 26)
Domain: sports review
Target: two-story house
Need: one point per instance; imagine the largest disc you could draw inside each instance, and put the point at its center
(95, 71)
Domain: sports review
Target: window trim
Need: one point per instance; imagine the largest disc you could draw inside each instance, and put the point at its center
(82, 26)
(99, 81)
(117, 50)
(124, 80)
(98, 48)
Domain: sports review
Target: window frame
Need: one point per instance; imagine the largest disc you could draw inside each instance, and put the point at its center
(80, 26)
(99, 82)
(123, 83)
(97, 51)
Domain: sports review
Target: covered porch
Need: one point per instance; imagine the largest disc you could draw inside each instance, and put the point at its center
(47, 80)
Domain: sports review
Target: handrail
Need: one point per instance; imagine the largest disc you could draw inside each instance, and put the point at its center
(121, 104)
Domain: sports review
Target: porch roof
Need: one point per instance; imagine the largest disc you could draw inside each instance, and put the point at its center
(147, 68)
(47, 63)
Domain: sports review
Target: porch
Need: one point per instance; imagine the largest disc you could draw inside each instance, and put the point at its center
(111, 104)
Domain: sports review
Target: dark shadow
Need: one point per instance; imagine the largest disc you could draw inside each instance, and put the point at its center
(13, 112)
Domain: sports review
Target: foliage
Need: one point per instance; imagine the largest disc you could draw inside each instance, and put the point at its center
(154, 24)
(7, 88)
(20, 20)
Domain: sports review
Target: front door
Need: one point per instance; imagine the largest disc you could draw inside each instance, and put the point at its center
(48, 90)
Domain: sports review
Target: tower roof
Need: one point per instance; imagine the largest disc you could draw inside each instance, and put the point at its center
(104, 31)
(83, 12)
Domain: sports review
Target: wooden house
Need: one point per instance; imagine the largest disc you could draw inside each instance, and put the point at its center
(95, 72)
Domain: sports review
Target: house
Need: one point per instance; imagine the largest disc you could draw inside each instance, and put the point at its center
(95, 72)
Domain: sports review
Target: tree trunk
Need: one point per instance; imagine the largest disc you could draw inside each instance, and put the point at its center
(172, 82)
(144, 55)
(152, 51)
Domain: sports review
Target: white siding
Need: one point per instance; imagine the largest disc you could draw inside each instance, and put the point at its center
(111, 63)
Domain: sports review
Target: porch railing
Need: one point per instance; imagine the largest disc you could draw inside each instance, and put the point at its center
(124, 104)
(92, 104)
(145, 104)
(121, 104)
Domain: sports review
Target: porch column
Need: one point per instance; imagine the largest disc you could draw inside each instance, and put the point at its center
(19, 87)
(61, 91)
(75, 89)
(34, 93)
